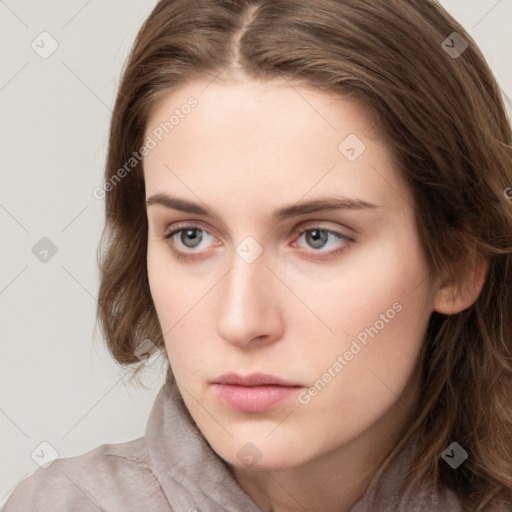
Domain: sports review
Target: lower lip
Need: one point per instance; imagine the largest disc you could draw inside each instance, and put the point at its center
(253, 398)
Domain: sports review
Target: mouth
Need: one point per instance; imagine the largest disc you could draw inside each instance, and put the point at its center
(254, 393)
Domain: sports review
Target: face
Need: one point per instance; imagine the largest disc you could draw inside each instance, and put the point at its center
(282, 242)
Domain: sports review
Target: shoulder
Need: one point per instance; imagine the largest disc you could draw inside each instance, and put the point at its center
(112, 476)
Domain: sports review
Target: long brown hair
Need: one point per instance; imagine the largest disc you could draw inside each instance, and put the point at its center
(440, 110)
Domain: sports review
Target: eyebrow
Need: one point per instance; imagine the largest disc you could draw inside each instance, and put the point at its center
(300, 208)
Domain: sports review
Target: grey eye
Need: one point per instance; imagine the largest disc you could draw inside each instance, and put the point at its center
(317, 237)
(192, 236)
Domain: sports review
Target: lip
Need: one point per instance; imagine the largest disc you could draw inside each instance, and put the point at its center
(254, 393)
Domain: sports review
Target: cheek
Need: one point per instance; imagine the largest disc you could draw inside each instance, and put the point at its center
(169, 287)
(382, 324)
(368, 281)
(378, 304)
(158, 277)
(177, 303)
(166, 290)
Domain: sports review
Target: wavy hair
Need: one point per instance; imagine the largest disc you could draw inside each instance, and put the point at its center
(440, 110)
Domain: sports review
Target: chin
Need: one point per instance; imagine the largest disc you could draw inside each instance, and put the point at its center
(263, 455)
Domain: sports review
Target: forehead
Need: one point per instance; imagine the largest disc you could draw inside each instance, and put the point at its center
(267, 107)
(261, 137)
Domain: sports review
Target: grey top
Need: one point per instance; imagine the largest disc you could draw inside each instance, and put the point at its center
(173, 469)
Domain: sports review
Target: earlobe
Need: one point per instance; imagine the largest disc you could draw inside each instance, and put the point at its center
(454, 298)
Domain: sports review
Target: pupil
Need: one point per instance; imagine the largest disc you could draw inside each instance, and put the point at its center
(192, 234)
(318, 237)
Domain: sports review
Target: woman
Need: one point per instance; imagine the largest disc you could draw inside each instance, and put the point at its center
(308, 212)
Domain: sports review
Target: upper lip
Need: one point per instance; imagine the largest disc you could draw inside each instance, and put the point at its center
(253, 379)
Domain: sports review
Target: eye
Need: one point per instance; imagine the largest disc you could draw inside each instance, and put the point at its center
(318, 237)
(189, 237)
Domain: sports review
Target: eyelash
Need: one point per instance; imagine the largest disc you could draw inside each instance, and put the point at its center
(185, 256)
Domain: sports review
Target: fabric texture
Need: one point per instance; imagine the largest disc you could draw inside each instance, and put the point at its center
(173, 469)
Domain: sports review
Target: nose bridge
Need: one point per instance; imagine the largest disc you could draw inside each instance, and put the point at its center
(244, 286)
(248, 307)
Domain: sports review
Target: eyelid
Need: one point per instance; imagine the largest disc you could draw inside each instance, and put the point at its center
(183, 225)
(322, 225)
(344, 244)
(303, 226)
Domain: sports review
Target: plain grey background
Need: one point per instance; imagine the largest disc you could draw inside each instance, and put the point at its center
(58, 384)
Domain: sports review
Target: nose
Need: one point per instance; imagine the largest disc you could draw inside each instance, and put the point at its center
(250, 313)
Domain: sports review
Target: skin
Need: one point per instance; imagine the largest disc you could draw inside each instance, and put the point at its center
(247, 149)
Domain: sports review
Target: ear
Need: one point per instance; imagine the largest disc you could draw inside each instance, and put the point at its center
(452, 298)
